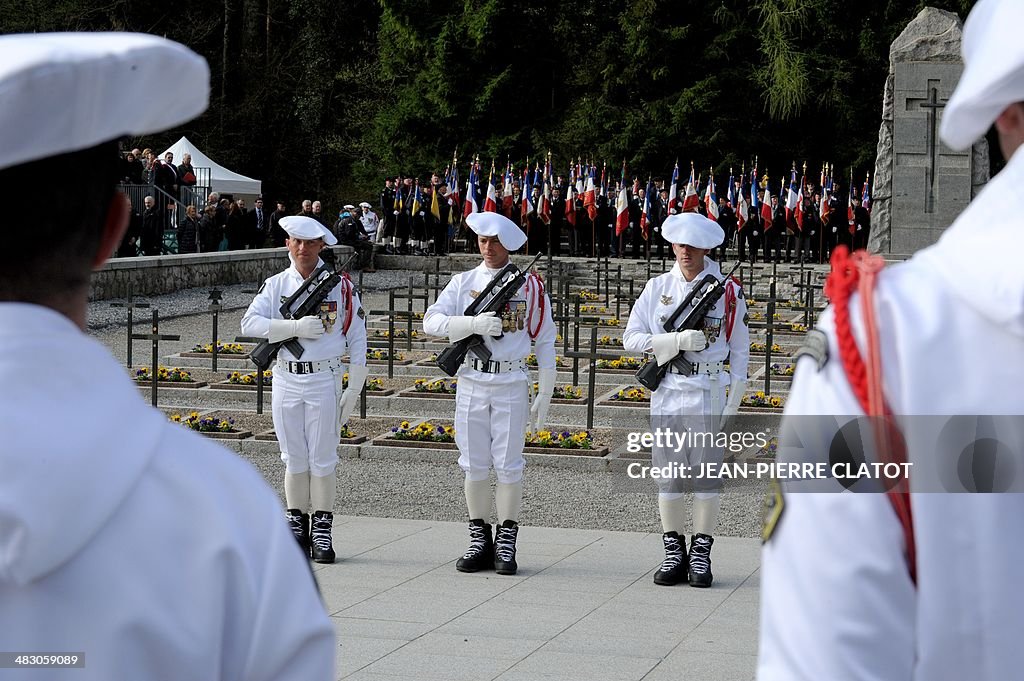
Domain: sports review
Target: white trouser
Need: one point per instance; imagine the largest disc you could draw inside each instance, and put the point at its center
(306, 420)
(490, 424)
(694, 412)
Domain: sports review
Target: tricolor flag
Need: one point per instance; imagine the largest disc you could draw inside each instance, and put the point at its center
(645, 227)
(742, 206)
(470, 206)
(491, 200)
(580, 186)
(590, 195)
(792, 203)
(690, 200)
(865, 200)
(570, 198)
(507, 205)
(673, 192)
(527, 200)
(799, 212)
(710, 198)
(544, 199)
(622, 205)
(766, 208)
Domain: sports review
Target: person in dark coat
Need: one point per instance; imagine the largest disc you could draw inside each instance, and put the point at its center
(188, 231)
(152, 228)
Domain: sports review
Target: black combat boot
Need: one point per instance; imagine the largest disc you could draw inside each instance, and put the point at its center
(700, 560)
(298, 523)
(505, 548)
(320, 533)
(480, 554)
(673, 569)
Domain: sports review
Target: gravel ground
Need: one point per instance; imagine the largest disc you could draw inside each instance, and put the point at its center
(553, 497)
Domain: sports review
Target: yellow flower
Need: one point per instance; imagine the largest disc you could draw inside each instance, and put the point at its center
(404, 424)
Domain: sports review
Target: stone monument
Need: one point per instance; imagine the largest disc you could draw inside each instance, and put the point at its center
(920, 184)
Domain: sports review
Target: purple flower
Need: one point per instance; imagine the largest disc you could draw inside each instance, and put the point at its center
(565, 433)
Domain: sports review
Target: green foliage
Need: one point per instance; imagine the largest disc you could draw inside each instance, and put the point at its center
(321, 98)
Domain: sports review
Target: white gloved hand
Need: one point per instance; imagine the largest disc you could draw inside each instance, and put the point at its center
(356, 379)
(485, 324)
(283, 329)
(732, 404)
(542, 401)
(691, 340)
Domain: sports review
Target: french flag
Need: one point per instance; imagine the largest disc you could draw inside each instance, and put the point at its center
(527, 202)
(471, 206)
(645, 209)
(507, 205)
(673, 192)
(544, 199)
(590, 195)
(491, 201)
(766, 209)
(793, 202)
(690, 199)
(570, 199)
(711, 199)
(622, 205)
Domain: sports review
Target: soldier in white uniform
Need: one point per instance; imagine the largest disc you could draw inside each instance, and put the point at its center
(697, 401)
(865, 586)
(491, 403)
(309, 403)
(152, 550)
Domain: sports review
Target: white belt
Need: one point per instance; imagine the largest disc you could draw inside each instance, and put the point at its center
(708, 368)
(310, 367)
(497, 366)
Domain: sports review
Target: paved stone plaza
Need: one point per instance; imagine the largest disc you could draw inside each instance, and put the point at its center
(583, 607)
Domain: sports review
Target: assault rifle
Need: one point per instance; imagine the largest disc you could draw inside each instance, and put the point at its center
(511, 279)
(701, 299)
(313, 291)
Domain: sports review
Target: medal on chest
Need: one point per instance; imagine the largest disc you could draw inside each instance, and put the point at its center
(513, 317)
(329, 314)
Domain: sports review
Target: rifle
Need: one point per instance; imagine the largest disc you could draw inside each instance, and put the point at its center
(452, 357)
(710, 289)
(315, 288)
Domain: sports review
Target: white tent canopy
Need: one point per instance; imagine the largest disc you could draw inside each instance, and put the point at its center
(222, 180)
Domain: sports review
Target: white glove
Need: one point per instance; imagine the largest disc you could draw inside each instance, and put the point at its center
(485, 324)
(396, 212)
(542, 401)
(835, 229)
(732, 405)
(283, 329)
(356, 379)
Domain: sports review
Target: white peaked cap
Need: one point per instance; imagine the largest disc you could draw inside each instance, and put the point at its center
(496, 224)
(993, 76)
(692, 229)
(64, 92)
(302, 227)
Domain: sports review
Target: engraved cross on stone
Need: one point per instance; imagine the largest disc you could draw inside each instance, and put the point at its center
(932, 105)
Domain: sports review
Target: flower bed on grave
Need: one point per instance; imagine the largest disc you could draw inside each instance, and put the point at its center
(609, 341)
(374, 385)
(782, 370)
(423, 434)
(399, 333)
(167, 378)
(567, 394)
(560, 362)
(623, 365)
(222, 348)
(797, 327)
(564, 442)
(436, 388)
(594, 309)
(760, 347)
(612, 321)
(432, 435)
(211, 426)
(376, 356)
(629, 396)
(587, 294)
(757, 316)
(761, 401)
(347, 436)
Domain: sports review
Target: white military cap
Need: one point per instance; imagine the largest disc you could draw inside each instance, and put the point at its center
(301, 227)
(64, 92)
(993, 76)
(692, 229)
(364, 204)
(349, 206)
(496, 224)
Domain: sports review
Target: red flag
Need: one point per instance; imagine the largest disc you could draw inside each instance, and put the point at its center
(690, 199)
(710, 199)
(622, 205)
(766, 208)
(570, 200)
(491, 200)
(590, 195)
(544, 200)
(507, 205)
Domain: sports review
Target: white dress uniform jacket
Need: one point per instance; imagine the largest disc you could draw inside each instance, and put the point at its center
(837, 601)
(149, 548)
(491, 409)
(307, 416)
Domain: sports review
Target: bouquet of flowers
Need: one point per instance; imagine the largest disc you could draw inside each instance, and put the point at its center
(175, 375)
(424, 432)
(222, 348)
(250, 378)
(624, 362)
(581, 439)
(439, 386)
(206, 424)
(632, 394)
(759, 399)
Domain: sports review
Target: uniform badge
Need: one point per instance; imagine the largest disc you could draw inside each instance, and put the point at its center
(666, 300)
(771, 512)
(815, 346)
(329, 314)
(361, 313)
(474, 294)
